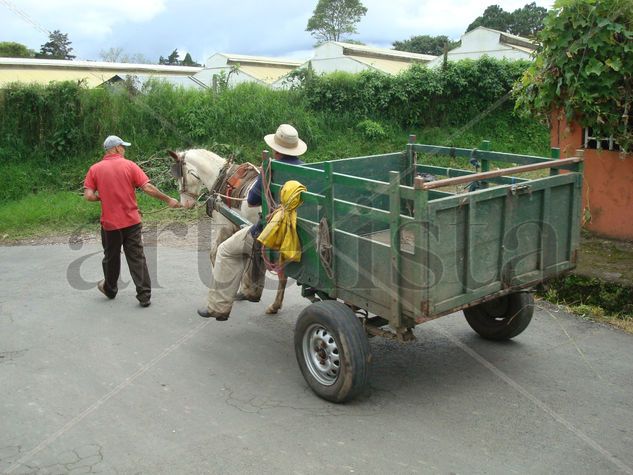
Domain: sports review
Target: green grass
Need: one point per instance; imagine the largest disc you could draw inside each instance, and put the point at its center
(51, 202)
(593, 298)
(52, 214)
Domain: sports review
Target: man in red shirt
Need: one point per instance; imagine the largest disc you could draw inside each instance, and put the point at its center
(113, 181)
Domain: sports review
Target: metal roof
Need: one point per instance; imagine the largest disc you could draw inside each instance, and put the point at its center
(265, 74)
(350, 49)
(127, 68)
(44, 76)
(265, 60)
(94, 73)
(389, 66)
(514, 41)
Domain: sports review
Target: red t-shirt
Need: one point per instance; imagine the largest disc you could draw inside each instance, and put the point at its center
(116, 179)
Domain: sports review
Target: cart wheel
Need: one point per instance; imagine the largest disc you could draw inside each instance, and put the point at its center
(502, 318)
(332, 350)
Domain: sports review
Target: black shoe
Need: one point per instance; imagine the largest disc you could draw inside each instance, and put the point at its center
(204, 313)
(147, 303)
(101, 287)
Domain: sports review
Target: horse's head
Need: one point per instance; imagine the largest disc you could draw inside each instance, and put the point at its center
(188, 178)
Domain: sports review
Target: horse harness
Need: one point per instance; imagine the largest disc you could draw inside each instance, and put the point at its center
(231, 183)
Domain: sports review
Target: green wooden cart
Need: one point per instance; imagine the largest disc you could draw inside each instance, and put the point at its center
(387, 245)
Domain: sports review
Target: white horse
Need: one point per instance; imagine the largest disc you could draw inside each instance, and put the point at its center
(198, 169)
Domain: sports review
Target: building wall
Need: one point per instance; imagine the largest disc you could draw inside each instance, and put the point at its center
(330, 65)
(607, 191)
(327, 50)
(481, 42)
(206, 76)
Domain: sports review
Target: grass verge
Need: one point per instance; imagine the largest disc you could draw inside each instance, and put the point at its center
(53, 214)
(593, 299)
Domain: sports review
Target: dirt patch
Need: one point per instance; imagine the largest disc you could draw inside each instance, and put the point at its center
(605, 259)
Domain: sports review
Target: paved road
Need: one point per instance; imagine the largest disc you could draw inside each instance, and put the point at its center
(89, 385)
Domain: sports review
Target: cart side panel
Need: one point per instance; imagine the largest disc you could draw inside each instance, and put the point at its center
(502, 238)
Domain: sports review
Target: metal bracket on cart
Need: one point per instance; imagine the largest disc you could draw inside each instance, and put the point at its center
(373, 326)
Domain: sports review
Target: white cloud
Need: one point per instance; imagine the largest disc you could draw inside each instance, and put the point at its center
(85, 17)
(204, 27)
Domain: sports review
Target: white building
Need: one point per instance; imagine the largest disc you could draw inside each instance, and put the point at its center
(93, 73)
(484, 41)
(240, 68)
(336, 56)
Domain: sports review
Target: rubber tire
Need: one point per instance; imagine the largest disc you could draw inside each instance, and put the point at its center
(348, 332)
(502, 318)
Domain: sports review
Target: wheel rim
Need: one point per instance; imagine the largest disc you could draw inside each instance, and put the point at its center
(321, 354)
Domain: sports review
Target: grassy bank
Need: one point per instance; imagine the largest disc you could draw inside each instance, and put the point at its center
(51, 200)
(594, 299)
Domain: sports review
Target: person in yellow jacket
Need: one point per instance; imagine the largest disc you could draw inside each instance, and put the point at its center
(234, 254)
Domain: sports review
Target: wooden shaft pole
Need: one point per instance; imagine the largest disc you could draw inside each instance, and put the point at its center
(420, 184)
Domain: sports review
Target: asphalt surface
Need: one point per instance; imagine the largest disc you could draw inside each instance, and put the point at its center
(89, 385)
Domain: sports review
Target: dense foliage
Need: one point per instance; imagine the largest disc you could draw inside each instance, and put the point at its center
(11, 49)
(420, 96)
(526, 21)
(585, 67)
(425, 44)
(50, 135)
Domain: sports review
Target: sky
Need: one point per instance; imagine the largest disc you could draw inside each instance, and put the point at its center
(275, 28)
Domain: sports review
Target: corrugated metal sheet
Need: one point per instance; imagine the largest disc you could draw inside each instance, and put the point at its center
(267, 74)
(44, 76)
(385, 65)
(242, 58)
(362, 50)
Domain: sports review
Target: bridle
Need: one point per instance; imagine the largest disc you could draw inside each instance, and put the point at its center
(178, 172)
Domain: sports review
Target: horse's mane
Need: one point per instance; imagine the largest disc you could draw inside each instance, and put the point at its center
(200, 153)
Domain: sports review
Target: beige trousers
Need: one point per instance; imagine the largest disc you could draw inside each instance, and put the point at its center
(232, 263)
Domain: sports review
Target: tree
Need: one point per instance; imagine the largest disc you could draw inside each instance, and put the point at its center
(118, 55)
(526, 21)
(333, 20)
(493, 17)
(172, 59)
(112, 55)
(188, 61)
(10, 49)
(57, 47)
(584, 67)
(425, 44)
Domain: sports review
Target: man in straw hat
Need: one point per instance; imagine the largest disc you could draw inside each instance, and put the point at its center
(112, 181)
(234, 254)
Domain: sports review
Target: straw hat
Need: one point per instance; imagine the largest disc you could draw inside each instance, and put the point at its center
(286, 140)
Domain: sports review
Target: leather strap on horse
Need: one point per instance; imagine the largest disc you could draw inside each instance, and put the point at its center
(231, 184)
(237, 182)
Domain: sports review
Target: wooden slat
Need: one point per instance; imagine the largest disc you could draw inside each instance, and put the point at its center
(457, 172)
(507, 171)
(330, 213)
(478, 154)
(396, 266)
(422, 306)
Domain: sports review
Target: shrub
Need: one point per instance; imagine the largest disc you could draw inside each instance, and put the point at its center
(585, 67)
(371, 130)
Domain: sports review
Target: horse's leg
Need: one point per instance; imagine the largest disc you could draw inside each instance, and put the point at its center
(279, 298)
